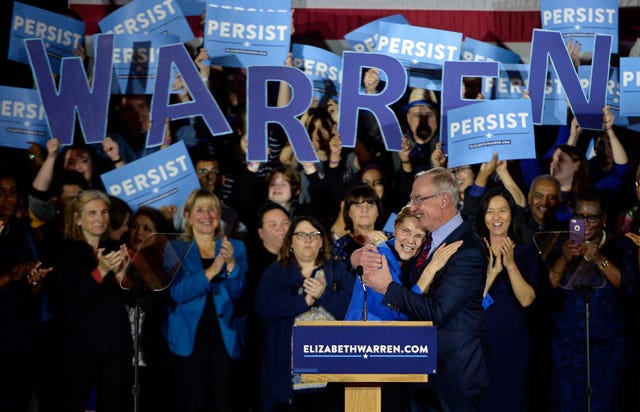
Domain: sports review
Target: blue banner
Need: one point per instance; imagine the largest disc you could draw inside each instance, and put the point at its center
(317, 63)
(192, 7)
(243, 33)
(364, 348)
(61, 34)
(580, 20)
(418, 47)
(22, 118)
(479, 51)
(630, 86)
(364, 38)
(511, 83)
(323, 67)
(613, 92)
(166, 177)
(554, 109)
(478, 130)
(430, 79)
(148, 16)
(135, 62)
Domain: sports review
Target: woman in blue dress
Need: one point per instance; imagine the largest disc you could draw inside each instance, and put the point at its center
(511, 272)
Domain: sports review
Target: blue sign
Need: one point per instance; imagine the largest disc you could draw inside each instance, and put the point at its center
(418, 47)
(554, 110)
(479, 51)
(243, 33)
(580, 20)
(317, 63)
(478, 130)
(148, 16)
(363, 39)
(61, 34)
(22, 118)
(510, 84)
(192, 7)
(548, 46)
(135, 62)
(613, 92)
(430, 79)
(364, 348)
(630, 86)
(165, 177)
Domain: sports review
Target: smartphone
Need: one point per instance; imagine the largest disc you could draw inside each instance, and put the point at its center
(576, 231)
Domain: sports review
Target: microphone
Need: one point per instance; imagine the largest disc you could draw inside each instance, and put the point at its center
(360, 272)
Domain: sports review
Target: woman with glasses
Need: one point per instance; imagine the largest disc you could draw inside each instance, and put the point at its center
(601, 270)
(305, 278)
(509, 289)
(361, 210)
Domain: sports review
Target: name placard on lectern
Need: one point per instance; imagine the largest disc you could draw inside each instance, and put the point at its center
(343, 347)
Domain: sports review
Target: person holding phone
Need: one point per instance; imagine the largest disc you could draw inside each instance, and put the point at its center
(601, 271)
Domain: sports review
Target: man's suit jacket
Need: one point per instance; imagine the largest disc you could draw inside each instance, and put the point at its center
(454, 305)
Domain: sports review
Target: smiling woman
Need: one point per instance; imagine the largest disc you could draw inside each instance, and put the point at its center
(203, 332)
(89, 309)
(304, 279)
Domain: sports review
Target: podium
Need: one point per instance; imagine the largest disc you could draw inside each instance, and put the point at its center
(363, 355)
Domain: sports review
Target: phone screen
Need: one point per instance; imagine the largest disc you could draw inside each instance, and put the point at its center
(576, 231)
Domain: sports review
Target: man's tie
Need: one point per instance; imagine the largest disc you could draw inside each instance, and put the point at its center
(421, 260)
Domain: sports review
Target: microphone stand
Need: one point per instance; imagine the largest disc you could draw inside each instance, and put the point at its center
(136, 354)
(586, 298)
(360, 271)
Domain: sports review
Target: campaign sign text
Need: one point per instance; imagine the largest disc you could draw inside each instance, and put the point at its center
(364, 348)
(243, 33)
(61, 34)
(135, 62)
(148, 16)
(418, 47)
(580, 20)
(477, 131)
(22, 118)
(630, 86)
(165, 177)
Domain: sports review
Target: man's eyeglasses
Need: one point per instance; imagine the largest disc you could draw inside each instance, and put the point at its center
(417, 200)
(307, 235)
(203, 172)
(588, 218)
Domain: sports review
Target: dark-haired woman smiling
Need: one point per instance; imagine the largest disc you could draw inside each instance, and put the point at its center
(305, 276)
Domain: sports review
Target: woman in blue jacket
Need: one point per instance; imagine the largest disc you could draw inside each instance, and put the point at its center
(203, 332)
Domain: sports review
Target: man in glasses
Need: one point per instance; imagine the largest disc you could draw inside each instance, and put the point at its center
(211, 177)
(453, 302)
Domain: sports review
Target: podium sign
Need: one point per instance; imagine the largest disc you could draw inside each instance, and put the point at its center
(364, 348)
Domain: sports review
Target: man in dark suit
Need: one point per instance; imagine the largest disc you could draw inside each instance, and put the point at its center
(453, 302)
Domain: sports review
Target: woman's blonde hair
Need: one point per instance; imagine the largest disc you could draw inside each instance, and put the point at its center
(201, 194)
(71, 228)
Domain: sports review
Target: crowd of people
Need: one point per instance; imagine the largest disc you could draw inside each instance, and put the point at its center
(481, 250)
